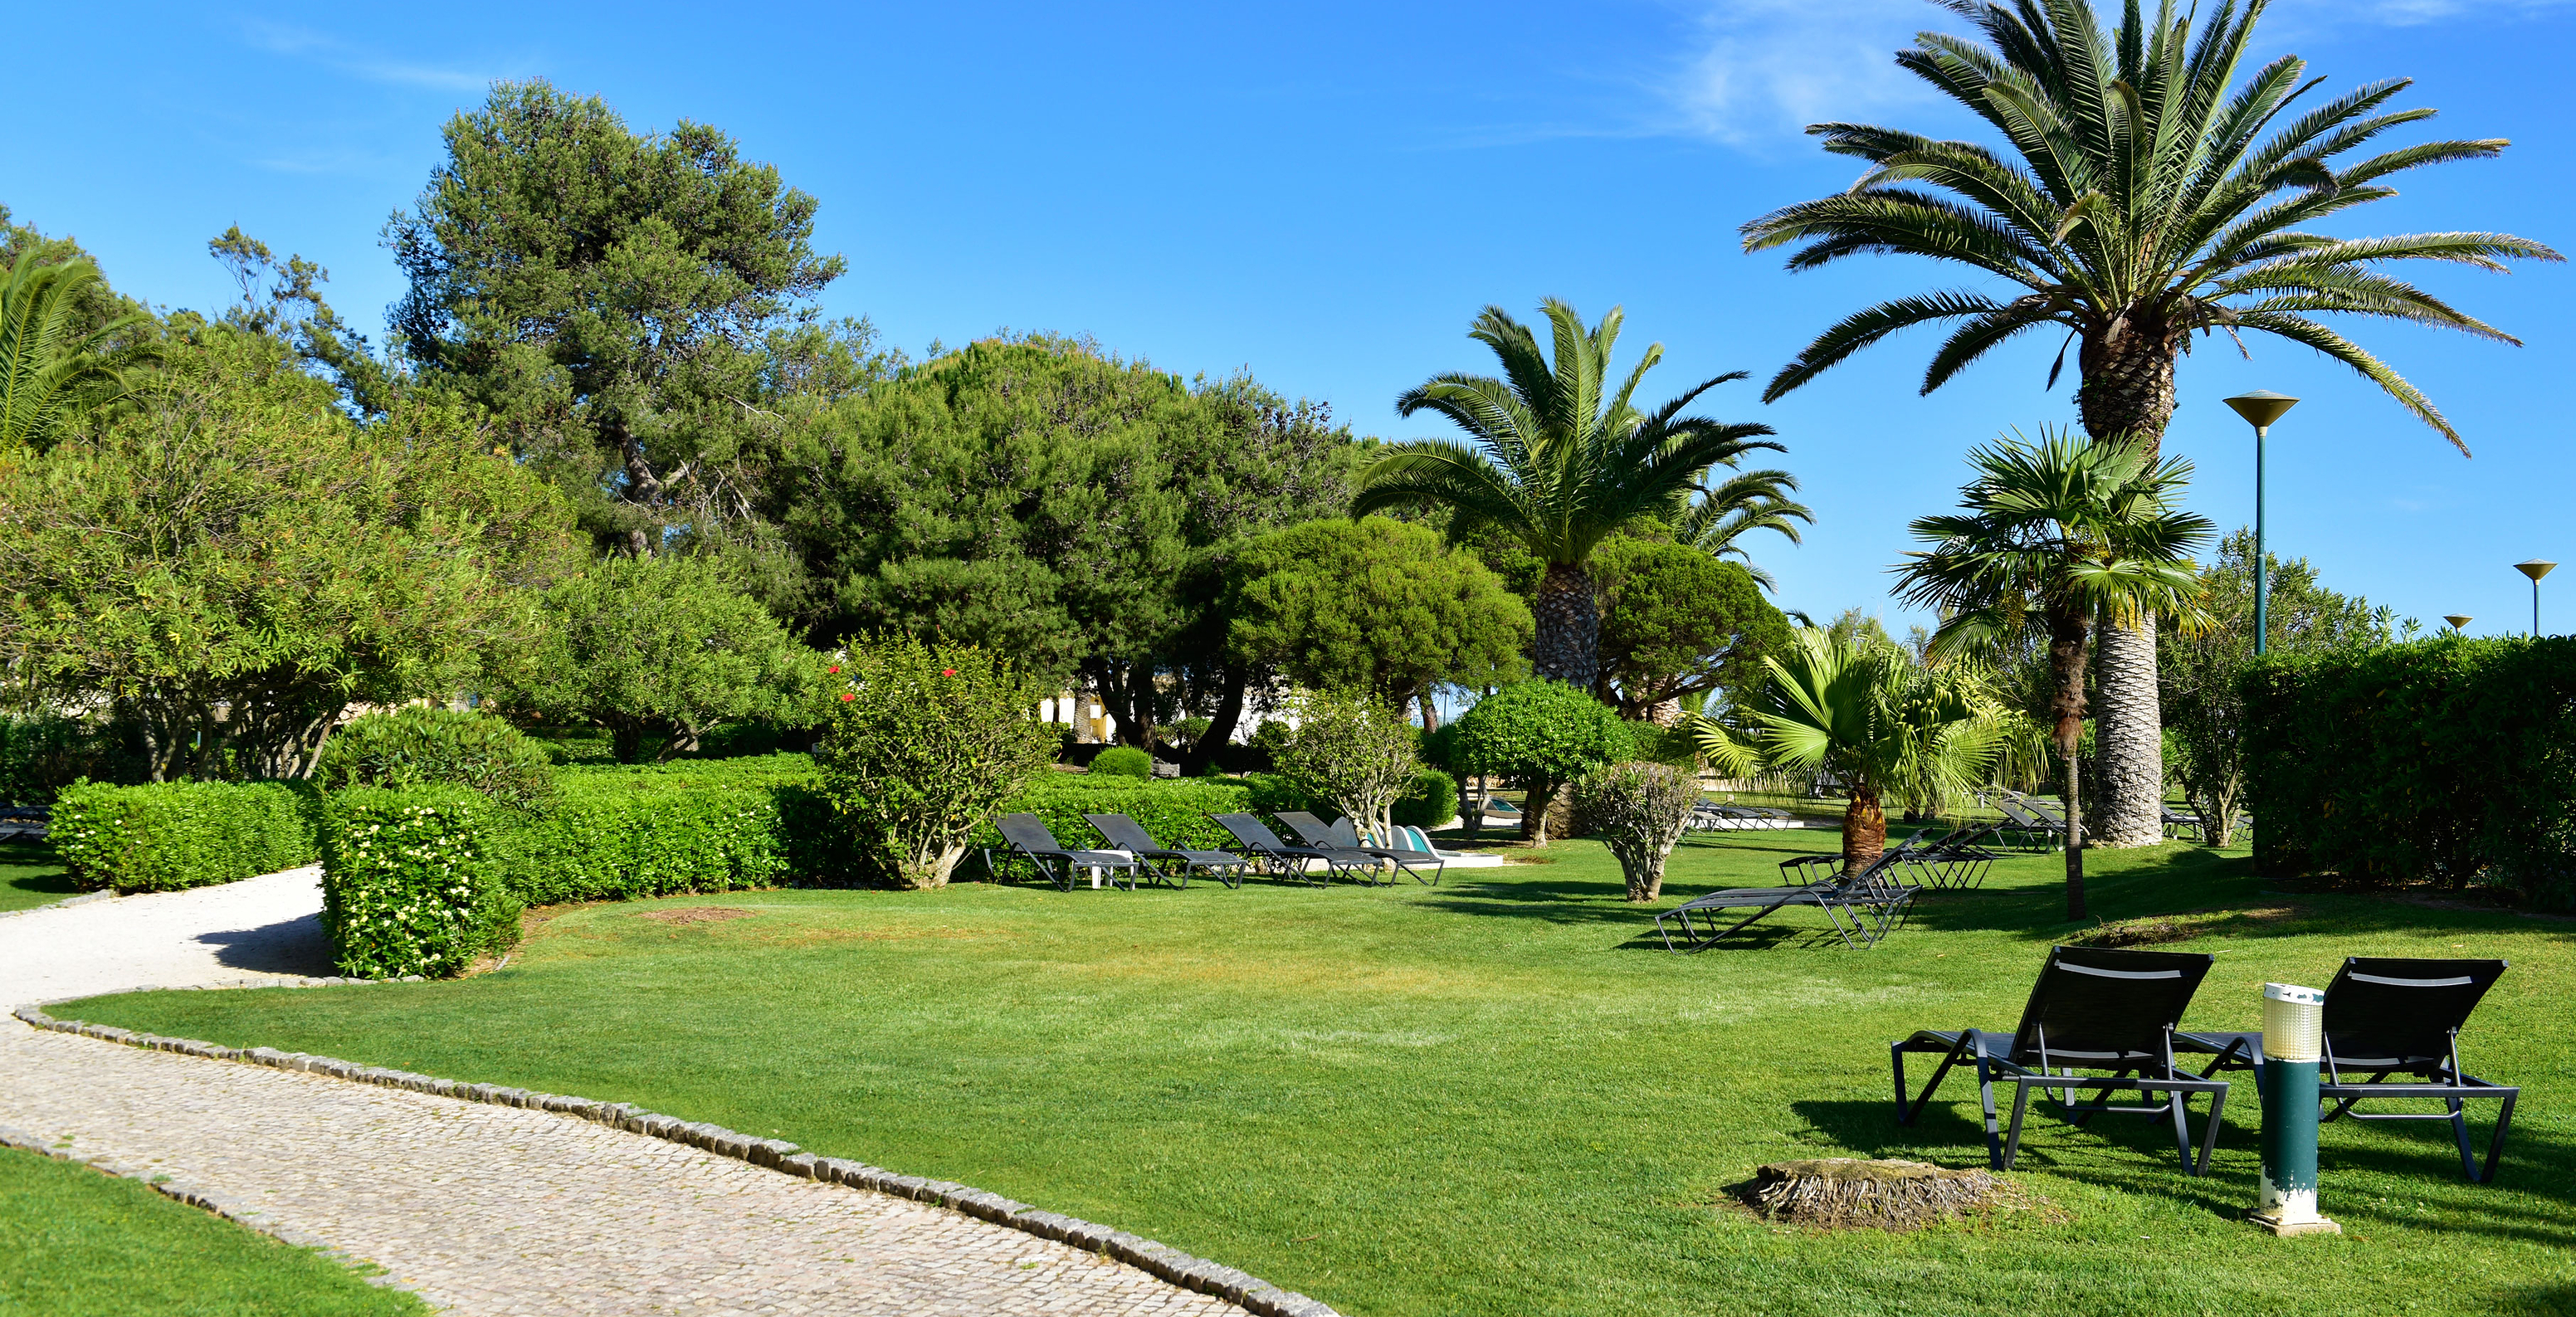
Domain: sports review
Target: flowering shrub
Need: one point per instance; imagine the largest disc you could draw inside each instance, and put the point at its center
(922, 745)
(1638, 810)
(410, 884)
(167, 836)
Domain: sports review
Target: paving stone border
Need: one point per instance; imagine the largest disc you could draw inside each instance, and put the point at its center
(83, 899)
(1250, 1292)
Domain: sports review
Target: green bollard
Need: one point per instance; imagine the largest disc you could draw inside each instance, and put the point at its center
(2293, 1044)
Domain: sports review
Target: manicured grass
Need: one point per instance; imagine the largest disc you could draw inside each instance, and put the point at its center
(30, 876)
(74, 1241)
(1500, 1096)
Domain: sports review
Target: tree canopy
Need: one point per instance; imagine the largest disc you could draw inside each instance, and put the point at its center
(1677, 624)
(1374, 606)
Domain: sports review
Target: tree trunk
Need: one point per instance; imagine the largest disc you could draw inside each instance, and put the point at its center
(1430, 714)
(2066, 708)
(1535, 808)
(1567, 647)
(1864, 829)
(2129, 738)
(628, 742)
(2128, 396)
(1201, 756)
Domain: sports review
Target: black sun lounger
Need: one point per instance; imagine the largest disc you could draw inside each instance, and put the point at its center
(1861, 905)
(1260, 844)
(1128, 835)
(1316, 833)
(1025, 837)
(2094, 1008)
(2386, 1016)
(1957, 859)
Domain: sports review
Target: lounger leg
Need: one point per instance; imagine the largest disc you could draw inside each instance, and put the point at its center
(2012, 1141)
(1906, 1115)
(2179, 1102)
(2495, 1146)
(1994, 1133)
(1896, 1062)
(2209, 1131)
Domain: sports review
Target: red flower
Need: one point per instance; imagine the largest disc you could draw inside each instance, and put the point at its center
(948, 672)
(834, 668)
(846, 697)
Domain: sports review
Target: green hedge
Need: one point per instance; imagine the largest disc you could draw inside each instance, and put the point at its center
(1432, 800)
(613, 836)
(411, 882)
(2450, 759)
(167, 836)
(1175, 810)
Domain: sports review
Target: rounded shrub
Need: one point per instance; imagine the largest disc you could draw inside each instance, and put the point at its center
(1123, 761)
(422, 746)
(1638, 809)
(1540, 735)
(1431, 801)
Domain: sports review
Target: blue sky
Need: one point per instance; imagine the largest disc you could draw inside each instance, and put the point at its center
(1327, 193)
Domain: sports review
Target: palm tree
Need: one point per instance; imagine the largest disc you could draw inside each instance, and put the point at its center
(2054, 534)
(1558, 462)
(2144, 194)
(1864, 709)
(50, 372)
(1745, 502)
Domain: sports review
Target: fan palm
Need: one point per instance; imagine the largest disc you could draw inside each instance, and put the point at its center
(2054, 534)
(1559, 460)
(49, 371)
(2144, 193)
(1867, 711)
(1737, 506)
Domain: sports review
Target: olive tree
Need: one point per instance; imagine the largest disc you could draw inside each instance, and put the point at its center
(1638, 811)
(1352, 750)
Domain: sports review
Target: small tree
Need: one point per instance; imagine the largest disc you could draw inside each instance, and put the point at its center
(1352, 751)
(1540, 735)
(1638, 810)
(924, 743)
(1374, 605)
(1677, 624)
(662, 647)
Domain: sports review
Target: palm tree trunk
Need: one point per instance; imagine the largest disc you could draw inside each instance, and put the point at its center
(2128, 396)
(1864, 829)
(1567, 647)
(2066, 709)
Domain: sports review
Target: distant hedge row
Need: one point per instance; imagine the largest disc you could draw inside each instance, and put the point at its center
(2447, 759)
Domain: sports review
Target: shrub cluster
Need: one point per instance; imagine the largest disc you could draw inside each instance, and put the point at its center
(423, 746)
(411, 883)
(1430, 801)
(42, 754)
(619, 833)
(2446, 759)
(924, 742)
(1638, 809)
(167, 836)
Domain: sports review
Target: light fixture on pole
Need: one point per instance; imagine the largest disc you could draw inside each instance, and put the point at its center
(2457, 620)
(2535, 569)
(2260, 408)
(2293, 1044)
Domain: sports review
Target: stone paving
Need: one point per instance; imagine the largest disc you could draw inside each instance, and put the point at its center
(504, 1211)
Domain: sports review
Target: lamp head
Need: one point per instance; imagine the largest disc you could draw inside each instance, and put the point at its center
(2535, 568)
(2262, 407)
(2457, 620)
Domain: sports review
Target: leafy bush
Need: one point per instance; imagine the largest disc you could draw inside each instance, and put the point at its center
(2445, 759)
(1638, 810)
(423, 746)
(924, 742)
(41, 755)
(168, 836)
(1540, 735)
(1651, 744)
(1353, 751)
(619, 834)
(411, 883)
(1123, 761)
(1431, 801)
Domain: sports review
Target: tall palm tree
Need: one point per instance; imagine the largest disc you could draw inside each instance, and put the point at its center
(50, 371)
(1747, 501)
(2055, 534)
(1863, 708)
(1559, 460)
(2143, 193)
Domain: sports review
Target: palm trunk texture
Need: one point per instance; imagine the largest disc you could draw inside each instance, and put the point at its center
(1567, 647)
(1864, 829)
(2128, 394)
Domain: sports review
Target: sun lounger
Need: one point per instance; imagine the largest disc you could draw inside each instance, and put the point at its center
(1958, 859)
(2093, 1008)
(1862, 906)
(1345, 836)
(1128, 835)
(2391, 1016)
(1264, 847)
(1025, 837)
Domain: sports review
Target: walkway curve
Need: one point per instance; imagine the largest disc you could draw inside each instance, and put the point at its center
(499, 1209)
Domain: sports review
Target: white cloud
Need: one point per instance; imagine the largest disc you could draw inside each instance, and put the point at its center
(333, 53)
(1765, 69)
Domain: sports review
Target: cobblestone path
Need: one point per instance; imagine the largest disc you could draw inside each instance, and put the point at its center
(505, 1211)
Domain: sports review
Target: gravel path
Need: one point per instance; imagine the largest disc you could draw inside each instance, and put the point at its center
(481, 1209)
(263, 928)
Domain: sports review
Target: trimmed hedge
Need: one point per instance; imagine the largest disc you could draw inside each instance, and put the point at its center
(411, 883)
(423, 745)
(169, 836)
(2447, 759)
(613, 836)
(1175, 810)
(1431, 801)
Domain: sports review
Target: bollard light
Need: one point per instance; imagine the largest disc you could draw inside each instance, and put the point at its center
(2293, 1043)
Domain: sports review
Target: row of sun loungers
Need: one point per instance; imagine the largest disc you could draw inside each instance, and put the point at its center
(1321, 853)
(2100, 1010)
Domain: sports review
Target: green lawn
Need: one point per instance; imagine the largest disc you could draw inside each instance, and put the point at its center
(1500, 1096)
(30, 875)
(83, 1244)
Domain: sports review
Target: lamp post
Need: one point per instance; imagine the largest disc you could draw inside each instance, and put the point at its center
(2293, 1044)
(2535, 569)
(2457, 620)
(2260, 408)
